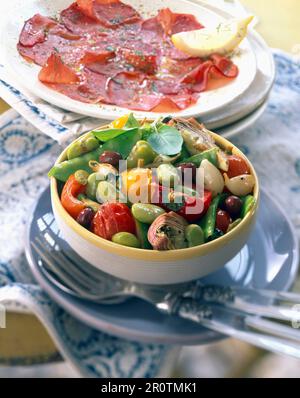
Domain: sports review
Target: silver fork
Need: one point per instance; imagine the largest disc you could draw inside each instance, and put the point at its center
(189, 301)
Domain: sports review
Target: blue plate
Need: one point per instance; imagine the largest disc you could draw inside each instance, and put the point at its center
(269, 260)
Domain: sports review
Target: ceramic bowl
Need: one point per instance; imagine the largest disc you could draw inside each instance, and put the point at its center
(154, 267)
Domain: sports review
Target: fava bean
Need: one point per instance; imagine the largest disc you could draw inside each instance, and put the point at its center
(92, 185)
(146, 213)
(83, 145)
(126, 239)
(107, 192)
(194, 235)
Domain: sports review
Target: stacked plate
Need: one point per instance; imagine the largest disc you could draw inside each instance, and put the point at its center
(227, 110)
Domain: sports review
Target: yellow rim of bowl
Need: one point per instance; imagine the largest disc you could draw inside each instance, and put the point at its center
(164, 256)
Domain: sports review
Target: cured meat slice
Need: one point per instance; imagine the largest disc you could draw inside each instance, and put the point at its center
(91, 90)
(131, 89)
(91, 57)
(35, 30)
(110, 13)
(55, 71)
(174, 23)
(140, 60)
(224, 66)
(198, 77)
(78, 22)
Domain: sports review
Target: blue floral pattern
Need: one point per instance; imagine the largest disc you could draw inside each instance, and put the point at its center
(25, 156)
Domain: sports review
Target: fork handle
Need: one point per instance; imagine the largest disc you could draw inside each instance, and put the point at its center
(190, 309)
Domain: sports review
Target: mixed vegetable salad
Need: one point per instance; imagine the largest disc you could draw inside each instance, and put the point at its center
(159, 185)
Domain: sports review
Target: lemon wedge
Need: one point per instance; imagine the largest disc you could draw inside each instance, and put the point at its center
(222, 39)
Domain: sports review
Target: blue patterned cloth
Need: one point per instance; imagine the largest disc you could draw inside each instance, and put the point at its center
(26, 155)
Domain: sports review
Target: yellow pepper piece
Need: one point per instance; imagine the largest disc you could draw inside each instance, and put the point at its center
(136, 183)
(120, 122)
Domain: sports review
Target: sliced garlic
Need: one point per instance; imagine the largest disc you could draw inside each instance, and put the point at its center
(213, 179)
(241, 185)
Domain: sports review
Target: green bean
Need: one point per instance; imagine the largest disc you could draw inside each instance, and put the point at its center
(142, 234)
(146, 213)
(63, 170)
(122, 145)
(82, 145)
(126, 239)
(210, 154)
(248, 203)
(194, 235)
(208, 222)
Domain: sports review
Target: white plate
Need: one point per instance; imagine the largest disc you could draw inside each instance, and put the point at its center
(241, 125)
(27, 74)
(259, 89)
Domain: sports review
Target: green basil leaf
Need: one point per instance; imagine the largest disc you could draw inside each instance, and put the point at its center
(124, 143)
(109, 134)
(166, 141)
(131, 122)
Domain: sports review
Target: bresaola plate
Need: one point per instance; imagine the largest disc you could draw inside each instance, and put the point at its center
(107, 55)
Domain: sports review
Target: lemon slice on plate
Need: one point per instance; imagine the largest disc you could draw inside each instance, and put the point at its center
(222, 39)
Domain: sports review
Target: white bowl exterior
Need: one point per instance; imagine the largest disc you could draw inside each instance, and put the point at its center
(152, 272)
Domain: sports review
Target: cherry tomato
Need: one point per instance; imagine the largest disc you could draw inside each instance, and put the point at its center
(112, 218)
(237, 166)
(71, 190)
(223, 221)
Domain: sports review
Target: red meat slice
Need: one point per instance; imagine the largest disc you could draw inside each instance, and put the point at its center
(55, 71)
(35, 30)
(110, 13)
(140, 60)
(78, 22)
(91, 90)
(174, 23)
(91, 57)
(224, 66)
(198, 77)
(131, 89)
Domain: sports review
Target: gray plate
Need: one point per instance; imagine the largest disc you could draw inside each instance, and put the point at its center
(269, 260)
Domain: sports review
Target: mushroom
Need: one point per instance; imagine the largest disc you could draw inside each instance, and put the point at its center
(241, 185)
(167, 232)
